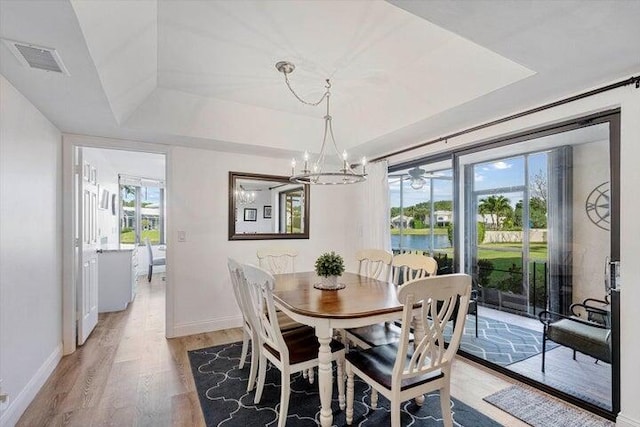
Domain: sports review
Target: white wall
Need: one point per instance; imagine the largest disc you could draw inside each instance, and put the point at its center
(30, 250)
(628, 99)
(198, 204)
(591, 243)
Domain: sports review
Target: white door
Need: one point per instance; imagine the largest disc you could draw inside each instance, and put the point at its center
(87, 275)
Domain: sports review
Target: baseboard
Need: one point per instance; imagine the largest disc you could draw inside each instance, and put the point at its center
(191, 328)
(624, 421)
(19, 403)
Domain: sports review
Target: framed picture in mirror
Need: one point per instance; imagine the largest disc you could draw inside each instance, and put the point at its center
(250, 214)
(266, 212)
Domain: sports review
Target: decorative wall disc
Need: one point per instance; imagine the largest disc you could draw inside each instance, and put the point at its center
(597, 206)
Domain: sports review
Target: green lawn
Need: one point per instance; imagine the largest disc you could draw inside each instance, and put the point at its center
(505, 255)
(129, 236)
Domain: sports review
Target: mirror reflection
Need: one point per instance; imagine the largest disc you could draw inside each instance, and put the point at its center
(267, 207)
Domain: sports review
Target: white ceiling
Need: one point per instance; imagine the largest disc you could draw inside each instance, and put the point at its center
(202, 72)
(143, 165)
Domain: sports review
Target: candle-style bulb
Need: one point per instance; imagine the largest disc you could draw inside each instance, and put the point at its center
(364, 161)
(293, 163)
(306, 156)
(344, 155)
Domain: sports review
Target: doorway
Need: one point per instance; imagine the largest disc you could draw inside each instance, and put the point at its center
(97, 231)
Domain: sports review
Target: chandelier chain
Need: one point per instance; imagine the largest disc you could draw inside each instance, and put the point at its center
(313, 104)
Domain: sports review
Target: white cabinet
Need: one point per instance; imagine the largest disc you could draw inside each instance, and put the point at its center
(116, 279)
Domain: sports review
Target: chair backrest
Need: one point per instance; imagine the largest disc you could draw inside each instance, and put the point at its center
(438, 297)
(258, 298)
(375, 263)
(277, 260)
(407, 267)
(237, 280)
(149, 251)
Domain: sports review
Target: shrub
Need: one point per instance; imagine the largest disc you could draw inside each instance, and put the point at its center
(485, 268)
(481, 232)
(329, 264)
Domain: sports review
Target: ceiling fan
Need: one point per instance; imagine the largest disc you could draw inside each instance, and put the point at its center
(418, 177)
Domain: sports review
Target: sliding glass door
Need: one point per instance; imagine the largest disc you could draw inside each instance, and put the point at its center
(536, 236)
(534, 219)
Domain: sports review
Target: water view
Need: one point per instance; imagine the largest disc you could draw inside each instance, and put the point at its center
(420, 241)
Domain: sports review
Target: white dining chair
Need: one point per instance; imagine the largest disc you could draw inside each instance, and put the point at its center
(375, 263)
(277, 260)
(405, 267)
(291, 351)
(249, 334)
(399, 371)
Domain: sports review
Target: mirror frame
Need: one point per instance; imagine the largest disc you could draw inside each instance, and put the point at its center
(233, 177)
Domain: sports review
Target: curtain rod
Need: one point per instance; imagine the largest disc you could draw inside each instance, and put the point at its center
(631, 80)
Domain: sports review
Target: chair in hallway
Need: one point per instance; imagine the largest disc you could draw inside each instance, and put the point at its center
(291, 351)
(153, 260)
(401, 372)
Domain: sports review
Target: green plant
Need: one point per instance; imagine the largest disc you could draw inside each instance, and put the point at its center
(485, 268)
(329, 264)
(481, 232)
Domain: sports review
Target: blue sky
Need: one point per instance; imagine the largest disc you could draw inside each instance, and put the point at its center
(495, 174)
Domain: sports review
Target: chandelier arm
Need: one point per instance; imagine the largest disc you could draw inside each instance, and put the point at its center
(313, 104)
(322, 155)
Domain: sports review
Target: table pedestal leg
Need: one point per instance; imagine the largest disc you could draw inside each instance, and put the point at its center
(325, 374)
(418, 335)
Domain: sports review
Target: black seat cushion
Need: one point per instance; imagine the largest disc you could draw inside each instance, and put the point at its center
(378, 334)
(303, 345)
(377, 363)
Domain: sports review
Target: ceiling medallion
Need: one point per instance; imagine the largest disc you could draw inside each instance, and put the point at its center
(317, 172)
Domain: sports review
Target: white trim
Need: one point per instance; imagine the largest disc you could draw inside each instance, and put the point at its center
(19, 404)
(199, 327)
(624, 421)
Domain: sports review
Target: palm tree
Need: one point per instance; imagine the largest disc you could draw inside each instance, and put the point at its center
(495, 206)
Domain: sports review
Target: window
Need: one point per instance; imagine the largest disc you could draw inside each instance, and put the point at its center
(141, 211)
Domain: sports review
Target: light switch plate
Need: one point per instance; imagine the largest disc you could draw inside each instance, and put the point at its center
(182, 236)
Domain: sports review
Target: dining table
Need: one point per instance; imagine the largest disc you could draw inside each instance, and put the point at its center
(363, 301)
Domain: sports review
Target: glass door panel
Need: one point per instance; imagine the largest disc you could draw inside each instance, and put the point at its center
(536, 239)
(421, 200)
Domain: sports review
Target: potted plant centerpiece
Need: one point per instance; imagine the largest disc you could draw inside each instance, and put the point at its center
(329, 266)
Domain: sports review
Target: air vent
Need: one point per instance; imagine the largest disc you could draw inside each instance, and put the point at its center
(38, 57)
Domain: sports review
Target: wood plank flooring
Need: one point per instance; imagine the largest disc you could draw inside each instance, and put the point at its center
(128, 374)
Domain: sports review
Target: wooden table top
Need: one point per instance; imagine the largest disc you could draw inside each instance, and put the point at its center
(362, 296)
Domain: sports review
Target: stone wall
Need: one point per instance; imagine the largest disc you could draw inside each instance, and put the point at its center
(538, 235)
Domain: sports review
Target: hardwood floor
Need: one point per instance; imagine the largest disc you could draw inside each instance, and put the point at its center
(128, 374)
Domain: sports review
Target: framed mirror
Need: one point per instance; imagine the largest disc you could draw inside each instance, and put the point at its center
(263, 207)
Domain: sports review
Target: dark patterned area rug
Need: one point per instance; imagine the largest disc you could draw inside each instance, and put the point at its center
(499, 342)
(225, 402)
(539, 410)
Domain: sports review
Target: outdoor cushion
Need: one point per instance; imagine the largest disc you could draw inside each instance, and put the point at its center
(587, 339)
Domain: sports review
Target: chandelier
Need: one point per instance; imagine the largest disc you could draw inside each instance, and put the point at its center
(317, 172)
(244, 197)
